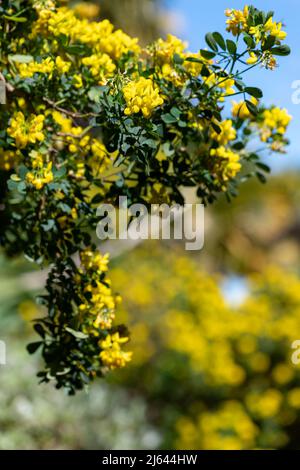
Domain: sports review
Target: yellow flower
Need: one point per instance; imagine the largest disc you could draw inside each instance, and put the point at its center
(28, 131)
(227, 133)
(275, 29)
(293, 398)
(259, 32)
(237, 20)
(275, 121)
(228, 162)
(264, 404)
(101, 66)
(27, 70)
(61, 65)
(41, 173)
(277, 118)
(87, 10)
(112, 355)
(142, 95)
(227, 85)
(240, 109)
(94, 261)
(117, 44)
(165, 50)
(282, 373)
(227, 428)
(77, 81)
(270, 28)
(8, 159)
(252, 59)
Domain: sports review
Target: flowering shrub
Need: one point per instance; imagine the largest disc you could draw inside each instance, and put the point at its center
(92, 115)
(214, 376)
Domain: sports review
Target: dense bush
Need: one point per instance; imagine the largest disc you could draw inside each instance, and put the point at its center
(214, 376)
(92, 115)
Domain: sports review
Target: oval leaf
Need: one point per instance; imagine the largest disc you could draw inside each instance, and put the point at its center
(211, 42)
(256, 92)
(219, 40)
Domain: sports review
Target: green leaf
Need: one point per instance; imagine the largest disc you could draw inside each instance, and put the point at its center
(12, 185)
(231, 47)
(49, 225)
(77, 334)
(97, 199)
(175, 112)
(16, 19)
(261, 177)
(249, 41)
(178, 59)
(168, 118)
(21, 187)
(95, 93)
(60, 172)
(251, 107)
(77, 49)
(33, 347)
(263, 167)
(253, 91)
(282, 50)
(39, 329)
(219, 40)
(206, 55)
(216, 128)
(239, 84)
(21, 58)
(269, 43)
(238, 146)
(150, 143)
(210, 41)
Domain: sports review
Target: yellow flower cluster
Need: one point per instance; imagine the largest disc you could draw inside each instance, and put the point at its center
(237, 20)
(80, 142)
(47, 66)
(228, 351)
(92, 261)
(101, 66)
(274, 29)
(27, 70)
(8, 159)
(112, 355)
(225, 84)
(26, 131)
(227, 133)
(142, 95)
(240, 110)
(101, 302)
(117, 44)
(97, 310)
(264, 405)
(237, 23)
(227, 162)
(41, 174)
(164, 51)
(99, 35)
(101, 305)
(275, 121)
(87, 10)
(227, 428)
(272, 123)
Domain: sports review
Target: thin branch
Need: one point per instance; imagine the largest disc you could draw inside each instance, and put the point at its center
(66, 111)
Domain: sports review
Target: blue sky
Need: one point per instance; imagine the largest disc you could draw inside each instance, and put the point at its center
(201, 16)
